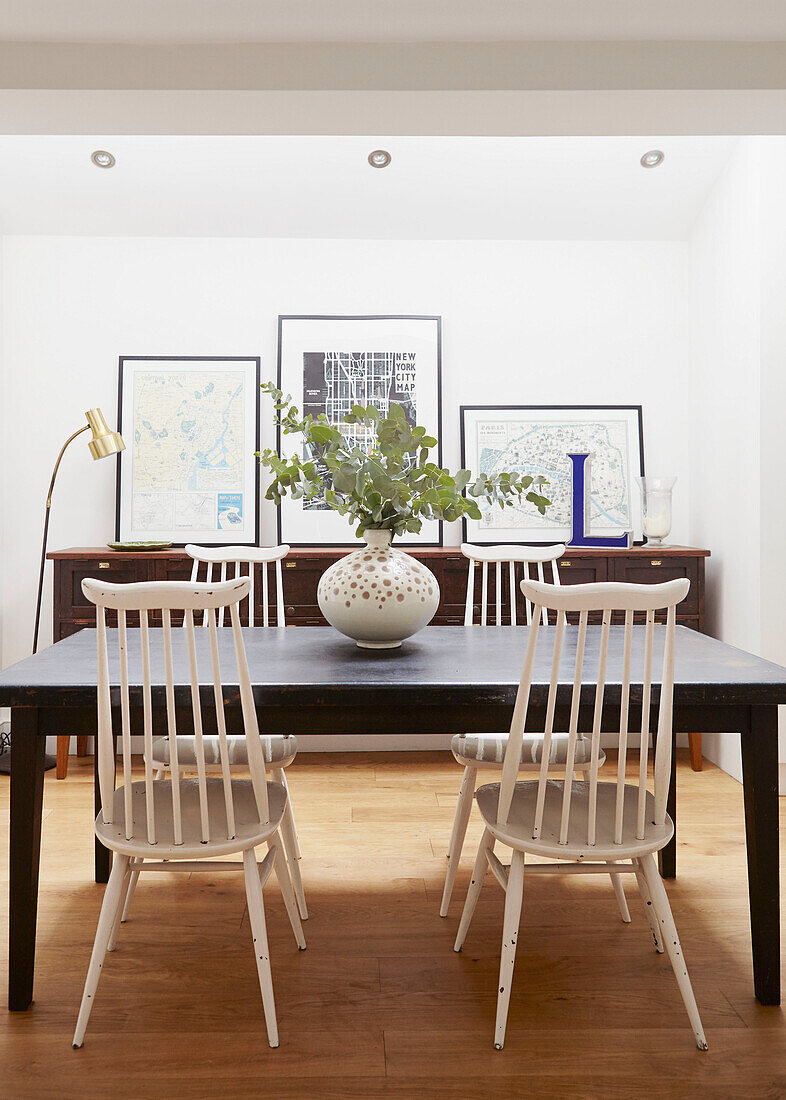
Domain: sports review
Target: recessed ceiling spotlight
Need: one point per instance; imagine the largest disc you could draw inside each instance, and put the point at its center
(652, 159)
(102, 159)
(380, 158)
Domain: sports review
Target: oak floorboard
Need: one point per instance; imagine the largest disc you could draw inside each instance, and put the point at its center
(380, 1005)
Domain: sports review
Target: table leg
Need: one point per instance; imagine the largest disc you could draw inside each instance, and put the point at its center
(27, 795)
(760, 787)
(103, 856)
(667, 857)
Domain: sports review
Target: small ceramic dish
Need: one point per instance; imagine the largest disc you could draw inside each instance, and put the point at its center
(139, 546)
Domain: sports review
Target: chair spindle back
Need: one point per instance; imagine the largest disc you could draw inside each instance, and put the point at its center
(236, 561)
(166, 597)
(605, 598)
(532, 560)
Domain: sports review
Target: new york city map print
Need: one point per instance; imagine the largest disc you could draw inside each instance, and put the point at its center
(334, 381)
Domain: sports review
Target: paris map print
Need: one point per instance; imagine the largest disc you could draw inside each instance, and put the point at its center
(538, 440)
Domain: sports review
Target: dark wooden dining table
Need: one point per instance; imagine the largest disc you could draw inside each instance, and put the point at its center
(446, 679)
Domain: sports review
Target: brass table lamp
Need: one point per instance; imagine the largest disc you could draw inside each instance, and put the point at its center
(103, 444)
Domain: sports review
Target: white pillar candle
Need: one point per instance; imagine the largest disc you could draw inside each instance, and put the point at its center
(656, 525)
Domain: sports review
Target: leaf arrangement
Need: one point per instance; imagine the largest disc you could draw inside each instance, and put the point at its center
(391, 485)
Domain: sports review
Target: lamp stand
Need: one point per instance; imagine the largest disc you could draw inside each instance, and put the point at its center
(5, 757)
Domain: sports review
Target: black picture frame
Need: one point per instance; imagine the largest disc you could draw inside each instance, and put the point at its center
(463, 409)
(256, 360)
(437, 320)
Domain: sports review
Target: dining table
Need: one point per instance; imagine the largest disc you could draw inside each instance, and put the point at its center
(446, 679)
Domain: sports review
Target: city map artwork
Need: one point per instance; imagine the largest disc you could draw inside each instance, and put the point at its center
(329, 364)
(538, 440)
(334, 381)
(189, 473)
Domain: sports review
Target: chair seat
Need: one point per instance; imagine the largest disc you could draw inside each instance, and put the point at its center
(278, 750)
(517, 832)
(248, 830)
(489, 749)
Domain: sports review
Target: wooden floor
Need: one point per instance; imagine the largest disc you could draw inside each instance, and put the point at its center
(379, 1005)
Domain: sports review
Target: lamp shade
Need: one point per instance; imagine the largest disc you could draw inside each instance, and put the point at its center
(104, 442)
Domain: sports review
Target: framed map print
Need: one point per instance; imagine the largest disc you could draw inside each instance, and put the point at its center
(537, 439)
(189, 473)
(329, 364)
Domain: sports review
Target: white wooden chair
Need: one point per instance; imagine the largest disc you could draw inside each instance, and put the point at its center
(176, 825)
(280, 750)
(484, 751)
(588, 825)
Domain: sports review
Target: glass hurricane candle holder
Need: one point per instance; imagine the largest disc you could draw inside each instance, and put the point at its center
(656, 507)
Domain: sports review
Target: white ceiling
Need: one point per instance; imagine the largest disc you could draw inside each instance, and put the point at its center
(161, 21)
(435, 188)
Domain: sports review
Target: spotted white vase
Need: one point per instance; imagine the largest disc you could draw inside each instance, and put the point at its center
(378, 595)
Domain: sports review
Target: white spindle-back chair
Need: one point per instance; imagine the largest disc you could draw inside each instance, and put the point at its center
(510, 563)
(485, 750)
(280, 749)
(175, 824)
(235, 561)
(589, 825)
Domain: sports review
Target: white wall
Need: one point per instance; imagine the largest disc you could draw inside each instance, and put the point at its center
(725, 406)
(772, 172)
(526, 322)
(737, 401)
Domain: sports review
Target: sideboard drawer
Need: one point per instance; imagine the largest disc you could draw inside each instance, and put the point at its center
(72, 599)
(655, 568)
(580, 570)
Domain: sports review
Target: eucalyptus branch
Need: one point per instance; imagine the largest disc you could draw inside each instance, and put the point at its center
(392, 485)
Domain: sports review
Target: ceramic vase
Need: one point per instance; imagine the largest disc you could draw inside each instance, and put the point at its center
(378, 595)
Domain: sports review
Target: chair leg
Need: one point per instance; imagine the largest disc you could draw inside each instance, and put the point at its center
(256, 913)
(660, 900)
(121, 908)
(291, 814)
(475, 886)
(510, 934)
(616, 882)
(649, 909)
(129, 895)
(582, 774)
(290, 850)
(460, 821)
(106, 920)
(288, 894)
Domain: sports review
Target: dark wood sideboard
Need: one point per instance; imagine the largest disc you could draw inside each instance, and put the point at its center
(303, 568)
